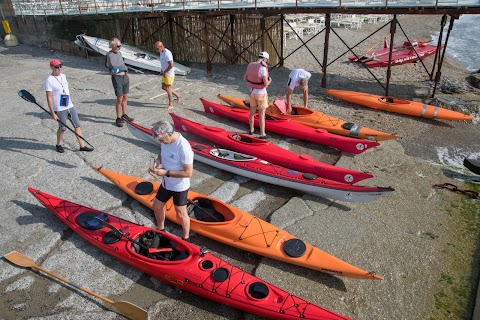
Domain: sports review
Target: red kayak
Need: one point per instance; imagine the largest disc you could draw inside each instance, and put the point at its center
(268, 151)
(292, 129)
(179, 263)
(409, 51)
(261, 170)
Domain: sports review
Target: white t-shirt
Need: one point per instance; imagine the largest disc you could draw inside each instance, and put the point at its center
(294, 77)
(58, 86)
(263, 71)
(165, 57)
(174, 155)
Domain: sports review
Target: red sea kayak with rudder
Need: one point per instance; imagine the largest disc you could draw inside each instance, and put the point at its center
(179, 263)
(290, 128)
(268, 151)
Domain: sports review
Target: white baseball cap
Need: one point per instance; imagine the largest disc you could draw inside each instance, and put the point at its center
(264, 54)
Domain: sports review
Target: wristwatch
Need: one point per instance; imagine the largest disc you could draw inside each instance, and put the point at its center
(168, 173)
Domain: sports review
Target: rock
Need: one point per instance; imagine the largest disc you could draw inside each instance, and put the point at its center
(474, 80)
(455, 105)
(448, 85)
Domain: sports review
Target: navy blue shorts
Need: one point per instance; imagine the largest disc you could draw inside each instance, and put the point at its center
(179, 198)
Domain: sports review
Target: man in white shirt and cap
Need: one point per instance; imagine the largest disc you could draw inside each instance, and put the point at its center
(297, 78)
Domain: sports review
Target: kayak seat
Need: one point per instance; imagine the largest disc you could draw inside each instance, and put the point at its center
(198, 147)
(245, 139)
(203, 210)
(154, 240)
(386, 99)
(237, 156)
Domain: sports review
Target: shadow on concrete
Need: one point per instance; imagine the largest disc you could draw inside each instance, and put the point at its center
(82, 117)
(108, 187)
(19, 144)
(38, 215)
(131, 103)
(136, 142)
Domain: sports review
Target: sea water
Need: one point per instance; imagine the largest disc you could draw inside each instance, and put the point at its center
(464, 41)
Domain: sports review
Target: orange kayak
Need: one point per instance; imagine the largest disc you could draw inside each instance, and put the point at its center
(411, 108)
(316, 119)
(232, 226)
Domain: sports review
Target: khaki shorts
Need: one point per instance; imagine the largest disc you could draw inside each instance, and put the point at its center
(168, 80)
(260, 101)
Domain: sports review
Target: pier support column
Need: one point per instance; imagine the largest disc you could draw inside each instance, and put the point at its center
(325, 50)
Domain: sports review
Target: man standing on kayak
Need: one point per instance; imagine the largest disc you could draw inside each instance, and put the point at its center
(175, 165)
(121, 83)
(297, 78)
(258, 79)
(167, 73)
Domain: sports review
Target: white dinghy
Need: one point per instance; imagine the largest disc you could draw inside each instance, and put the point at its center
(132, 56)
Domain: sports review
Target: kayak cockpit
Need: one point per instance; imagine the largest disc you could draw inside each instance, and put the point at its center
(205, 210)
(155, 245)
(386, 99)
(243, 138)
(231, 155)
(393, 100)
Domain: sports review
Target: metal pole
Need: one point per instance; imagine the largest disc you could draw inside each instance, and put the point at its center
(282, 43)
(393, 27)
(439, 44)
(440, 61)
(325, 50)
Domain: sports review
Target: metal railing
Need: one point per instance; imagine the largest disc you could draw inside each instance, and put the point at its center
(79, 7)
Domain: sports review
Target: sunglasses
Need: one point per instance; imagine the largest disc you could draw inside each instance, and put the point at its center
(161, 134)
(58, 67)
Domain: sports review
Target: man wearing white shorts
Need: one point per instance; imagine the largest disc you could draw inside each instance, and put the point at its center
(257, 78)
(297, 78)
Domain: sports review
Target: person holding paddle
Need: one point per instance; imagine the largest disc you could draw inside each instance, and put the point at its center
(176, 168)
(297, 78)
(61, 105)
(120, 81)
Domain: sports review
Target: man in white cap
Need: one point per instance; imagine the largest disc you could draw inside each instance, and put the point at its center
(297, 78)
(257, 79)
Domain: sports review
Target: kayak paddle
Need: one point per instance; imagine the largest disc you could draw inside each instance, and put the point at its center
(25, 95)
(127, 309)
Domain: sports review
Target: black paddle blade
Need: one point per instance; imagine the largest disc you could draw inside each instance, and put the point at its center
(24, 94)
